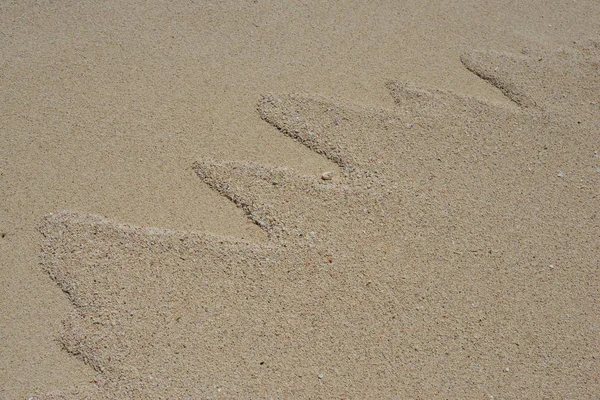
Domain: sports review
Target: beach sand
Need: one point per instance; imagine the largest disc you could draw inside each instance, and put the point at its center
(166, 230)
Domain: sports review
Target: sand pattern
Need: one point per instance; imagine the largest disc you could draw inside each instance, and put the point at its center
(372, 277)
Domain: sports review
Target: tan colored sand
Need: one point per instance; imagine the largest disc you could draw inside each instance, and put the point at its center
(462, 264)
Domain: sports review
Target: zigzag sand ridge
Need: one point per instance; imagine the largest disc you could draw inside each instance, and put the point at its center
(432, 251)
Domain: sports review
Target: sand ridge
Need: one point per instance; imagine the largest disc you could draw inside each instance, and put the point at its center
(386, 280)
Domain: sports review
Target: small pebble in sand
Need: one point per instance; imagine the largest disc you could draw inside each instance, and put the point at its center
(327, 176)
(561, 174)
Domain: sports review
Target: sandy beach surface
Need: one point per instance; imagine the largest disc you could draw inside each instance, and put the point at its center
(299, 199)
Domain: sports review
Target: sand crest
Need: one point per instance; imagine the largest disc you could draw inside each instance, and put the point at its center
(370, 279)
(307, 199)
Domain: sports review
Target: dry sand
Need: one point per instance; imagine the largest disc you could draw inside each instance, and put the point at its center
(454, 254)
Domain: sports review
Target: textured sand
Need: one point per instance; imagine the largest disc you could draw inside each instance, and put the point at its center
(454, 254)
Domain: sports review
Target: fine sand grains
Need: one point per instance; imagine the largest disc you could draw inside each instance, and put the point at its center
(446, 260)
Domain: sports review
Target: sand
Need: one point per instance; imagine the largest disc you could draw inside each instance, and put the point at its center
(166, 231)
